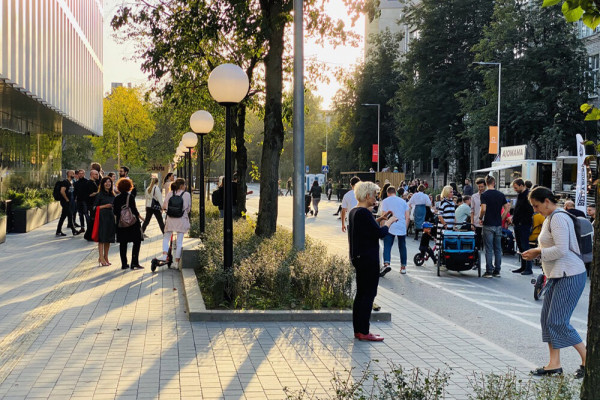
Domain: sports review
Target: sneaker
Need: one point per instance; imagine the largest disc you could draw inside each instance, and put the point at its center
(59, 234)
(386, 268)
(403, 270)
(487, 275)
(580, 373)
(376, 307)
(162, 257)
(496, 274)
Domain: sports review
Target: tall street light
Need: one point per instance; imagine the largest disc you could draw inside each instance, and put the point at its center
(179, 153)
(378, 126)
(228, 84)
(202, 123)
(183, 151)
(499, 87)
(189, 140)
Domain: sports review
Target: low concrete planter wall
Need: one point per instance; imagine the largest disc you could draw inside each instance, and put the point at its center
(3, 221)
(197, 311)
(54, 210)
(28, 220)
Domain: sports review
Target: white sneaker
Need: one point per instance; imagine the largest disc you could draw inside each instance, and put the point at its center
(162, 257)
(403, 270)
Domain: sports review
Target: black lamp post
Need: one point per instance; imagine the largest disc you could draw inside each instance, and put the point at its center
(202, 123)
(228, 84)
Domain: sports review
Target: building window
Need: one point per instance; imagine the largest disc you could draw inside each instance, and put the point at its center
(593, 68)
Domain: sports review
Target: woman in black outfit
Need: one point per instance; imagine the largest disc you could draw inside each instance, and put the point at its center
(131, 233)
(315, 193)
(103, 202)
(364, 232)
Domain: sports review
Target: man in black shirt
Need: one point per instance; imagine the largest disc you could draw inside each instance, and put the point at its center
(494, 209)
(81, 196)
(66, 197)
(468, 189)
(522, 219)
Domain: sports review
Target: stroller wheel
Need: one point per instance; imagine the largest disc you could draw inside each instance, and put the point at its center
(153, 264)
(418, 259)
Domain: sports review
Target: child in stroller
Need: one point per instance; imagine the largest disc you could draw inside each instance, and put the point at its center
(307, 201)
(508, 238)
(426, 252)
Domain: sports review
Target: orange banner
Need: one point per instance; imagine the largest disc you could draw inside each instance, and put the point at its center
(494, 137)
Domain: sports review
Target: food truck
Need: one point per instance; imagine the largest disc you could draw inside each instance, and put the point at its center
(514, 164)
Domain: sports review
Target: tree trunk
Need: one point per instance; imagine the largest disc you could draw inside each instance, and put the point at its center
(591, 381)
(266, 223)
(241, 157)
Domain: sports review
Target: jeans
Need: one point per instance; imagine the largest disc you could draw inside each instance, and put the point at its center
(522, 233)
(492, 238)
(388, 242)
(84, 215)
(315, 202)
(65, 214)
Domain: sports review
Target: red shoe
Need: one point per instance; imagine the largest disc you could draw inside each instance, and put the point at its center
(368, 338)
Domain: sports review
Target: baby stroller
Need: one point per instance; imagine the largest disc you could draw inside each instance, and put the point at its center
(307, 201)
(508, 242)
(458, 252)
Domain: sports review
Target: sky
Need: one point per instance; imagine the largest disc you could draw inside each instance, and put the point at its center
(119, 66)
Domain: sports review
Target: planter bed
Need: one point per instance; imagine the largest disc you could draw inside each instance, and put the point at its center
(26, 220)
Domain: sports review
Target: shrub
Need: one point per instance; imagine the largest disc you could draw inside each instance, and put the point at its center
(29, 198)
(270, 273)
(398, 384)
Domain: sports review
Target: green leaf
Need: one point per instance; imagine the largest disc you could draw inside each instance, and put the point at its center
(586, 107)
(548, 3)
(572, 14)
(591, 20)
(594, 115)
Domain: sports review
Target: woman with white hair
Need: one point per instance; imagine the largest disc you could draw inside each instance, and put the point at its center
(446, 212)
(364, 232)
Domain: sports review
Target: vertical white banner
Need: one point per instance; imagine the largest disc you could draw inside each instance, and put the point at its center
(581, 189)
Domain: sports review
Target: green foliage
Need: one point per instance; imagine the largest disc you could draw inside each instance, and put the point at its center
(77, 152)
(573, 10)
(29, 198)
(541, 88)
(355, 126)
(269, 274)
(395, 383)
(128, 120)
(510, 387)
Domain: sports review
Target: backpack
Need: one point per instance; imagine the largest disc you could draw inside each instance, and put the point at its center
(584, 232)
(217, 197)
(175, 206)
(56, 192)
(126, 217)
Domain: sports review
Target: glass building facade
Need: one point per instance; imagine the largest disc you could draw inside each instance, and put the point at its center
(50, 83)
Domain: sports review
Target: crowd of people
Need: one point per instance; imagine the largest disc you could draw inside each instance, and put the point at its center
(385, 214)
(107, 211)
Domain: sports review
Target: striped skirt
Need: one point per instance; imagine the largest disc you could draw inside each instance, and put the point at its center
(559, 303)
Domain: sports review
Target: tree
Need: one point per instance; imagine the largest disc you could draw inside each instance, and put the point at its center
(186, 39)
(428, 114)
(543, 80)
(375, 82)
(128, 124)
(77, 151)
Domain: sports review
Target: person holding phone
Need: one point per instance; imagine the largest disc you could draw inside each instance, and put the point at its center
(393, 205)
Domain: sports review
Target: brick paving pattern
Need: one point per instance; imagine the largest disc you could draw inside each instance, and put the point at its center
(73, 330)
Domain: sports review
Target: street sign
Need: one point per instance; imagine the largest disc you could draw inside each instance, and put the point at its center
(325, 169)
(307, 169)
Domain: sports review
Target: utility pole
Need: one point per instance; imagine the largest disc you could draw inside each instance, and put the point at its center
(298, 202)
(118, 149)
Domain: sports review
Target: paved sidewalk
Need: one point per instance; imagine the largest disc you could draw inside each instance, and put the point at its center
(73, 330)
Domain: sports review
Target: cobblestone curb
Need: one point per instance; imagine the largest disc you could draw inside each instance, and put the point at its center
(196, 309)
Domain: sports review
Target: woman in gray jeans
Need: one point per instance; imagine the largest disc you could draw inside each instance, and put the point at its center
(566, 275)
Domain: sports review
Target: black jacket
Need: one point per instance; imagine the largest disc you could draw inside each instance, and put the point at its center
(523, 214)
(81, 190)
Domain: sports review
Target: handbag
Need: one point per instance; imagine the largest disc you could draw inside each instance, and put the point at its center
(155, 204)
(126, 217)
(95, 229)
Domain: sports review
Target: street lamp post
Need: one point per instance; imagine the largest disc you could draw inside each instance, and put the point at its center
(228, 84)
(378, 126)
(499, 87)
(202, 123)
(189, 140)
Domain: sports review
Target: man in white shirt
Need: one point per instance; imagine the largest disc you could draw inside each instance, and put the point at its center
(400, 210)
(419, 203)
(349, 201)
